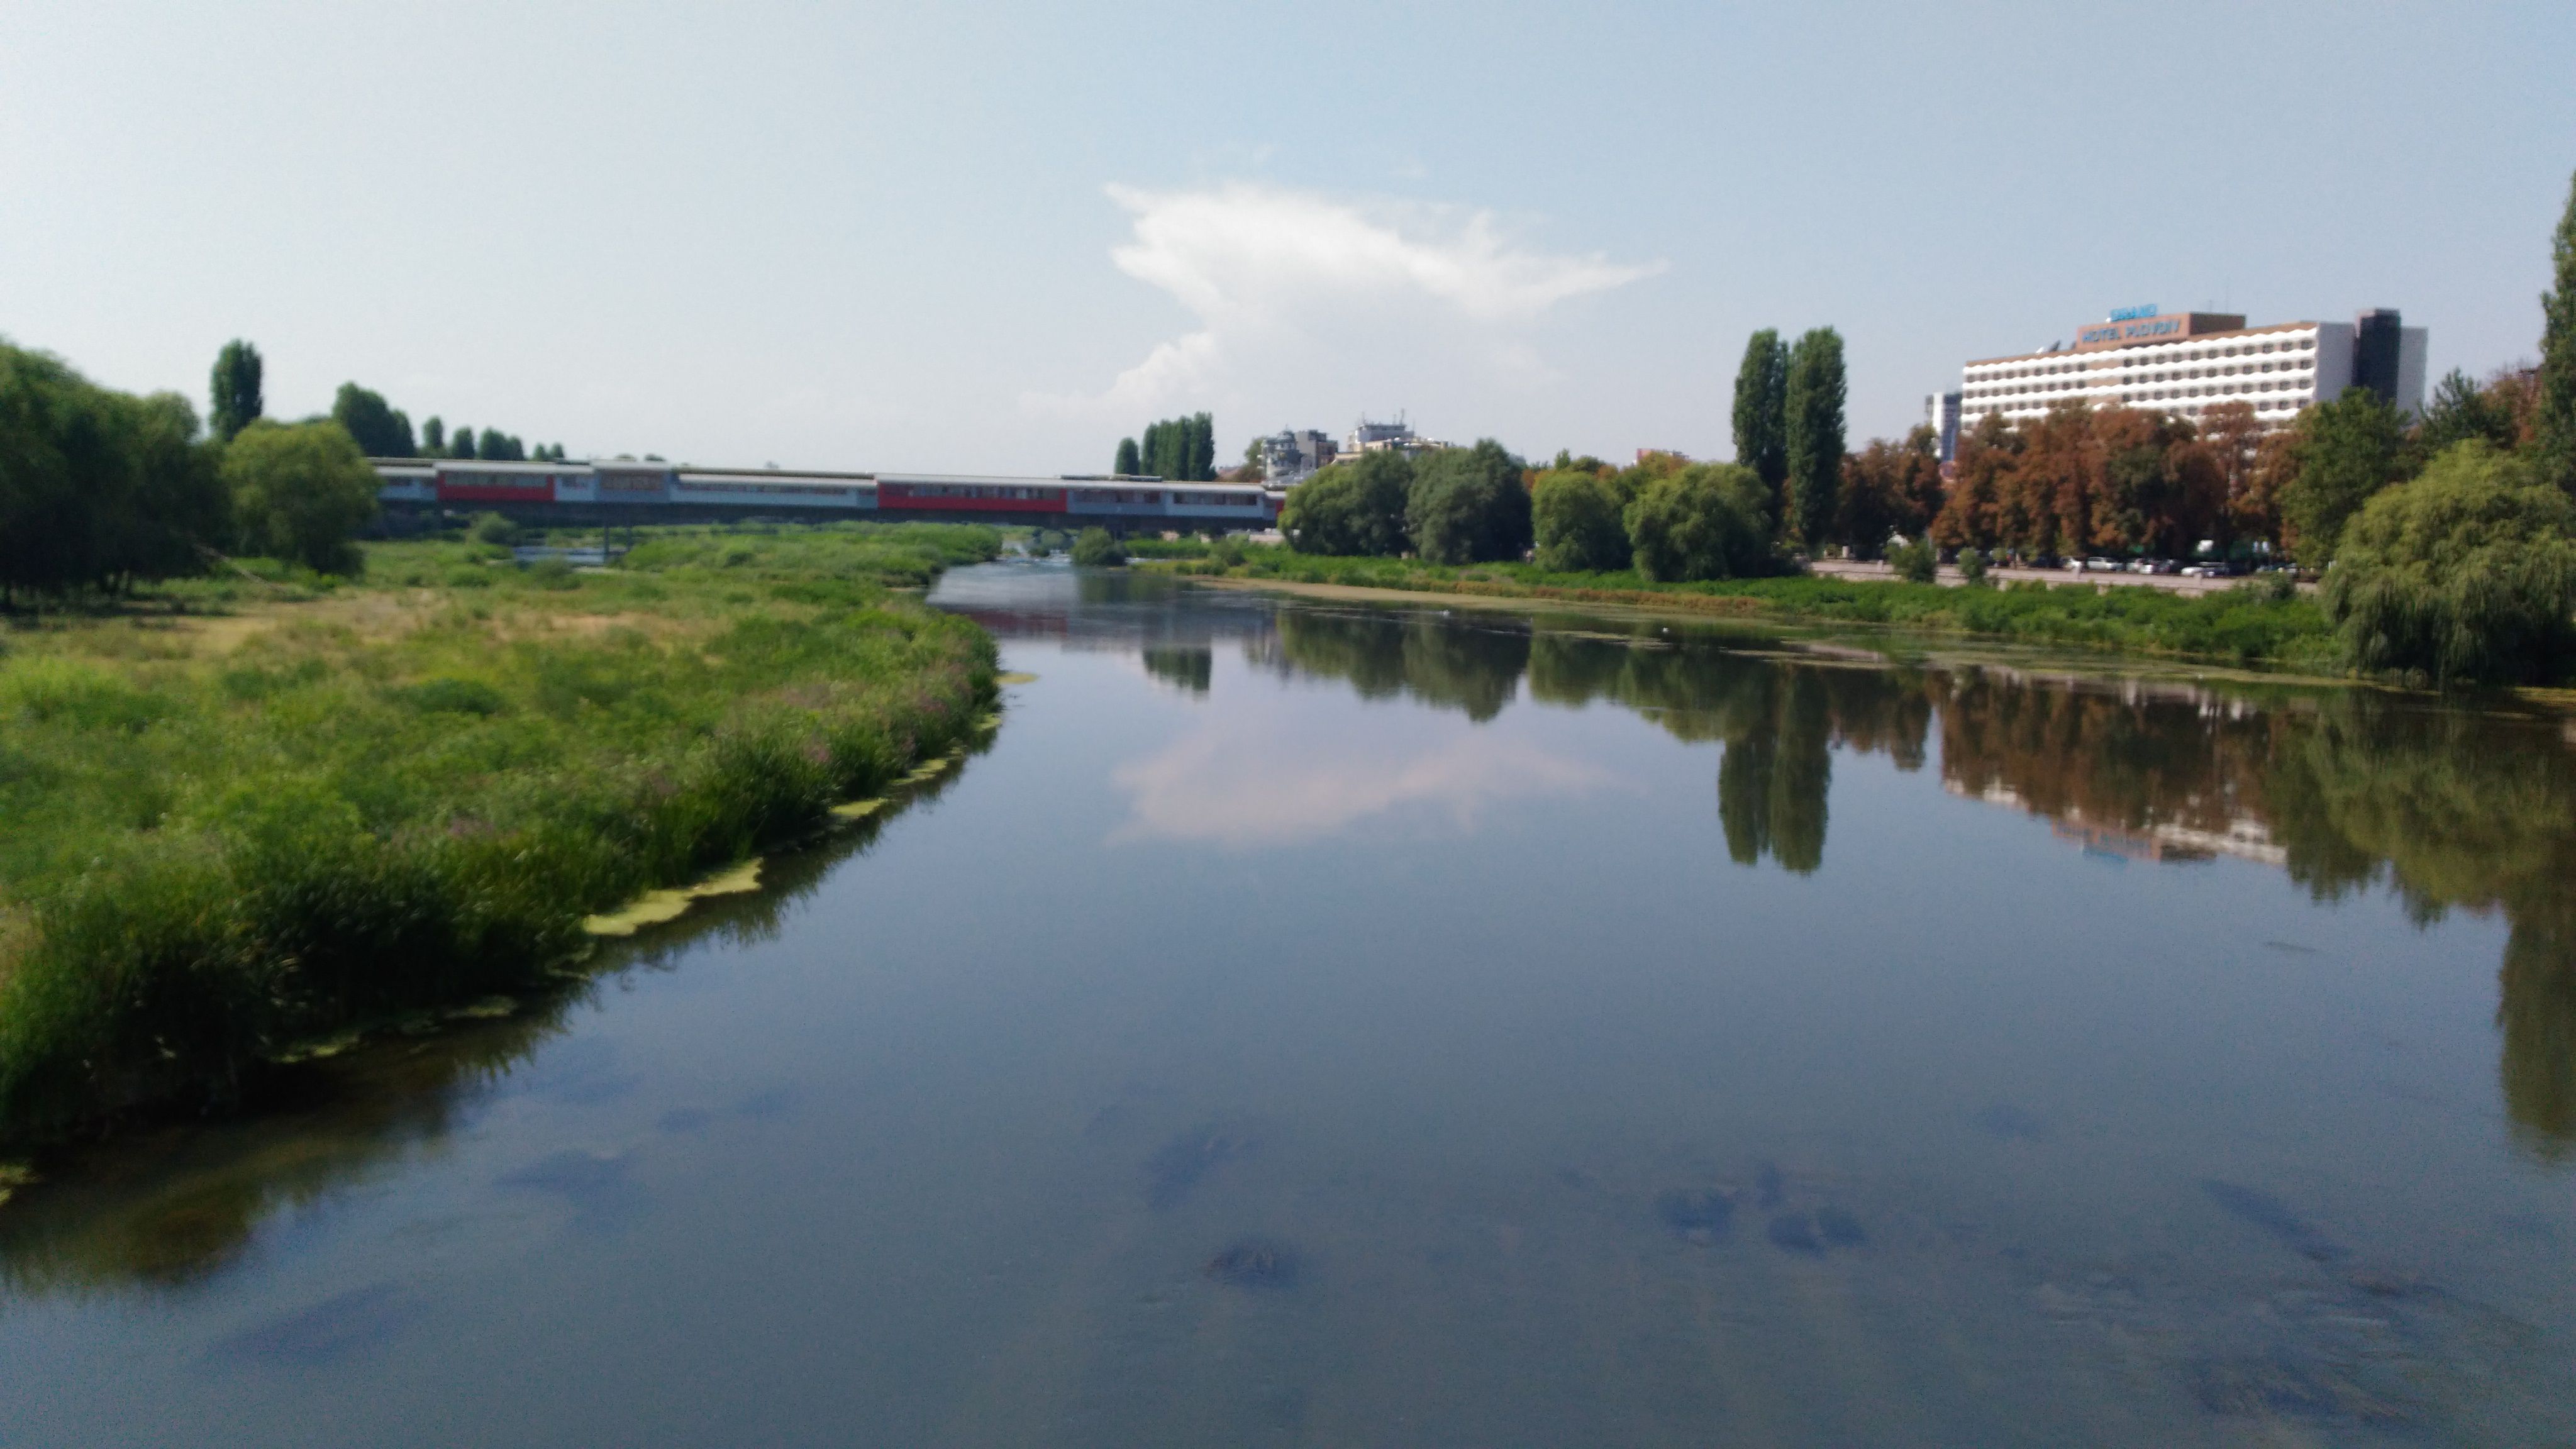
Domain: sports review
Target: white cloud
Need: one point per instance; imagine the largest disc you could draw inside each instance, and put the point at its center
(1255, 264)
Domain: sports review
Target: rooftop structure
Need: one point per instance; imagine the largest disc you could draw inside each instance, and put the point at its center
(1394, 437)
(1291, 456)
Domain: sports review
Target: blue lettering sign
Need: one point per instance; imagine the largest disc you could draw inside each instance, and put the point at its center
(2132, 314)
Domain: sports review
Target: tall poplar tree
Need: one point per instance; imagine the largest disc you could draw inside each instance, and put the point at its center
(236, 390)
(2554, 428)
(1201, 465)
(1761, 403)
(1814, 443)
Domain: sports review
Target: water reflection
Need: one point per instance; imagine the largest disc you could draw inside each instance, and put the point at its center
(2346, 789)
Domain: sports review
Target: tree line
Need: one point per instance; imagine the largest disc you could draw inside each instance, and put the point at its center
(384, 431)
(101, 489)
(1182, 450)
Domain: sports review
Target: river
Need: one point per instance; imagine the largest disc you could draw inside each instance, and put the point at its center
(1316, 1023)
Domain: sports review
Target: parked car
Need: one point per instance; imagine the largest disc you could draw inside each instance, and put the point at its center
(2210, 569)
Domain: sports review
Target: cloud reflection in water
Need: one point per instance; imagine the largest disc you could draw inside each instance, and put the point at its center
(1206, 788)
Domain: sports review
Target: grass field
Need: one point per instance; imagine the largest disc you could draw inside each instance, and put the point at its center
(245, 812)
(2247, 625)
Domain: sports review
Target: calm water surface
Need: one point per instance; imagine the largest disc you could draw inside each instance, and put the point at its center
(1316, 1024)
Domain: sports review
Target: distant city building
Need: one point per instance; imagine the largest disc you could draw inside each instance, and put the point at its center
(1291, 457)
(1394, 437)
(2188, 362)
(1941, 415)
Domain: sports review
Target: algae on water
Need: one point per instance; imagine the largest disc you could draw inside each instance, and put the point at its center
(655, 907)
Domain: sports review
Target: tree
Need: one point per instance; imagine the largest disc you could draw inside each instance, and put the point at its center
(1575, 520)
(2463, 410)
(461, 444)
(1969, 516)
(1706, 521)
(301, 492)
(1813, 447)
(1095, 548)
(1354, 507)
(433, 438)
(2464, 574)
(97, 488)
(1468, 505)
(1129, 462)
(1889, 488)
(382, 431)
(237, 402)
(1181, 449)
(177, 506)
(2554, 431)
(1761, 408)
(1202, 449)
(2349, 449)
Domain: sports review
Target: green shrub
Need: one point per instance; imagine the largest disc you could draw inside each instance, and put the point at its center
(1097, 548)
(2466, 574)
(1916, 562)
(492, 528)
(1972, 568)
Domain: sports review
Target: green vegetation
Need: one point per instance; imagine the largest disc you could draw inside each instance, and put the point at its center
(1575, 516)
(254, 813)
(1468, 505)
(1702, 521)
(1917, 562)
(2348, 450)
(1180, 449)
(2255, 622)
(300, 493)
(2553, 429)
(1813, 437)
(381, 429)
(1762, 411)
(1097, 548)
(1350, 508)
(235, 386)
(99, 489)
(2466, 574)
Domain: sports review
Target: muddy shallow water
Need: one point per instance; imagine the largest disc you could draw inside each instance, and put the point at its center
(1309, 1023)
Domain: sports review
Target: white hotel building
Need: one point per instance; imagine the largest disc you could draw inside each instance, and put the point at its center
(2187, 362)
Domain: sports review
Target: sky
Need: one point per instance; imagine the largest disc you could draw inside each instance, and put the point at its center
(999, 237)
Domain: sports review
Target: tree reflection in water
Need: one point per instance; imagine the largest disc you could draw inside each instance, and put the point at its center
(2453, 806)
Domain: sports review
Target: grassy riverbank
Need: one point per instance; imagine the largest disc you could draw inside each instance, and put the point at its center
(243, 814)
(2247, 625)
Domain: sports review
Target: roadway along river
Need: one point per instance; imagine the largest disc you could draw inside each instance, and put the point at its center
(1310, 1024)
